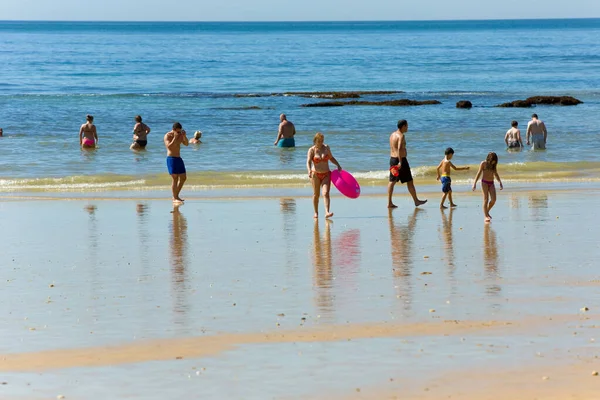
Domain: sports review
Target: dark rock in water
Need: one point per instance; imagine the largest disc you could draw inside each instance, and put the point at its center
(547, 100)
(464, 104)
(239, 108)
(322, 95)
(516, 103)
(340, 95)
(392, 103)
(562, 100)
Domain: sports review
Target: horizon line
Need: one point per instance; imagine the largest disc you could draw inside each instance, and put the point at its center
(305, 21)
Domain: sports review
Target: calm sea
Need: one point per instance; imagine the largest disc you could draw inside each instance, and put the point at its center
(52, 74)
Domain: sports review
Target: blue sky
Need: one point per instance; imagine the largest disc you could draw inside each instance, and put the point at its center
(287, 10)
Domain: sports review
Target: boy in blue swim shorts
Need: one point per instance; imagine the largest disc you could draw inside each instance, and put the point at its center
(173, 141)
(443, 175)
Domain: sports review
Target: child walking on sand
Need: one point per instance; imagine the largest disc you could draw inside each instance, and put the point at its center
(444, 168)
(487, 168)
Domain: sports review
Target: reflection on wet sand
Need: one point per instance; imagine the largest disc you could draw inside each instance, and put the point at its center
(348, 252)
(323, 270)
(288, 211)
(93, 248)
(514, 201)
(287, 206)
(143, 237)
(538, 204)
(141, 209)
(401, 241)
(490, 260)
(448, 240)
(178, 246)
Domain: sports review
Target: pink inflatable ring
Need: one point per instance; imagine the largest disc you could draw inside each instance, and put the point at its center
(345, 183)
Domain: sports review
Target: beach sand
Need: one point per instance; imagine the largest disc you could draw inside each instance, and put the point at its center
(239, 298)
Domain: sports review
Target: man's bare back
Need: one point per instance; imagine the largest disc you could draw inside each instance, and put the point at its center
(287, 129)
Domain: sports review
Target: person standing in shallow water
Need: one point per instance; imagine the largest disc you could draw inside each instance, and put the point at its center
(88, 137)
(173, 141)
(536, 131)
(513, 137)
(140, 134)
(317, 164)
(196, 138)
(285, 135)
(399, 167)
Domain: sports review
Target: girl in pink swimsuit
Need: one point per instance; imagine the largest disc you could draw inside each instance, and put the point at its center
(488, 171)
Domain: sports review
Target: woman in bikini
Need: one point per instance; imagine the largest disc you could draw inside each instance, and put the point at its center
(317, 164)
(487, 171)
(88, 138)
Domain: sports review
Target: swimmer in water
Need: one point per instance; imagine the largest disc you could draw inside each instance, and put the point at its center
(488, 169)
(536, 130)
(196, 138)
(88, 137)
(513, 137)
(286, 133)
(140, 134)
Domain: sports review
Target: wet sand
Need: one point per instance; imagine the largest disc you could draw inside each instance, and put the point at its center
(251, 299)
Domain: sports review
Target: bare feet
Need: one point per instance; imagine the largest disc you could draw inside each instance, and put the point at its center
(329, 215)
(391, 205)
(177, 201)
(316, 216)
(442, 207)
(453, 205)
(488, 219)
(420, 202)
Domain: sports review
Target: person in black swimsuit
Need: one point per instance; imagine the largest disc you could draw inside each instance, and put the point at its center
(140, 134)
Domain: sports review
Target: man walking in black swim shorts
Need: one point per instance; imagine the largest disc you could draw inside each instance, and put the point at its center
(173, 141)
(399, 167)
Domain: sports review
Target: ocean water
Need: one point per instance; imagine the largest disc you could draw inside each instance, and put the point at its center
(202, 74)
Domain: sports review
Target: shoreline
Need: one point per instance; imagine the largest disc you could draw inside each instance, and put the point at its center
(303, 192)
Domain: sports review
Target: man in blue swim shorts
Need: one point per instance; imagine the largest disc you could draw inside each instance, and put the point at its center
(173, 141)
(285, 136)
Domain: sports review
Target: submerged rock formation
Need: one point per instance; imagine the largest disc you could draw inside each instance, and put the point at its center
(548, 100)
(464, 104)
(392, 103)
(339, 95)
(323, 95)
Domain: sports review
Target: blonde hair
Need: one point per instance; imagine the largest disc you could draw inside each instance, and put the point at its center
(318, 137)
(197, 134)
